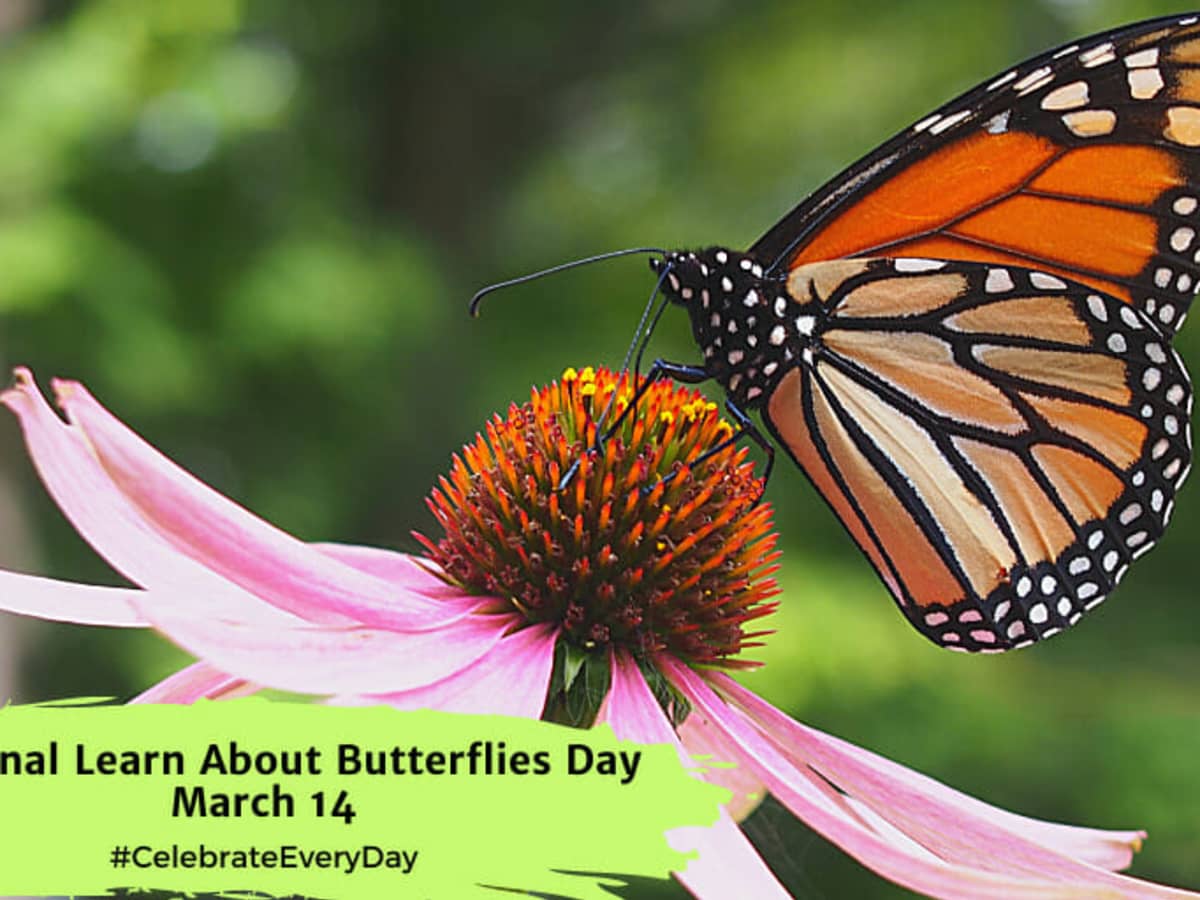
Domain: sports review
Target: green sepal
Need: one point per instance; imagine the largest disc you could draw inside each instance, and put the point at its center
(578, 685)
(673, 704)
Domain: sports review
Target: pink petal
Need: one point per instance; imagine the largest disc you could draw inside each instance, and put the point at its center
(898, 861)
(316, 659)
(136, 507)
(65, 601)
(409, 573)
(199, 681)
(631, 710)
(74, 477)
(727, 864)
(951, 832)
(707, 745)
(1109, 849)
(511, 679)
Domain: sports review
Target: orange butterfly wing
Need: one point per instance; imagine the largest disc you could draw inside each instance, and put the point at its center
(1081, 162)
(1000, 442)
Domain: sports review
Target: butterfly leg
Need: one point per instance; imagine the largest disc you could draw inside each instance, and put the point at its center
(661, 369)
(746, 428)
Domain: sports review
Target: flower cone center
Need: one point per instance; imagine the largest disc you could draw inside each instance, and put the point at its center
(650, 546)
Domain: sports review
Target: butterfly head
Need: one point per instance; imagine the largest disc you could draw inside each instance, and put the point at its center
(703, 278)
(733, 305)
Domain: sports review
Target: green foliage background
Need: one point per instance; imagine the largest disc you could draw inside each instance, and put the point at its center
(252, 228)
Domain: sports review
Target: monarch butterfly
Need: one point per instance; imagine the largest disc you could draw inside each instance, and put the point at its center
(964, 339)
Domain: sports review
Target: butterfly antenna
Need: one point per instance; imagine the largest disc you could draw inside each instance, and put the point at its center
(562, 267)
(641, 337)
(638, 337)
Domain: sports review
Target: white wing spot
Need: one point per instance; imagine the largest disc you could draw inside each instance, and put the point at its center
(998, 124)
(1151, 378)
(1183, 126)
(778, 335)
(1097, 56)
(1116, 342)
(751, 299)
(1147, 57)
(950, 121)
(916, 264)
(926, 122)
(1034, 80)
(1181, 238)
(1184, 206)
(806, 324)
(1154, 351)
(1144, 84)
(1069, 96)
(1086, 123)
(1045, 282)
(998, 281)
(1038, 613)
(1002, 80)
(1097, 308)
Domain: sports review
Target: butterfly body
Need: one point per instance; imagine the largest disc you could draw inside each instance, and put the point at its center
(743, 320)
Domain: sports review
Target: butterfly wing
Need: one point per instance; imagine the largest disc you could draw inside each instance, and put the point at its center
(1081, 162)
(1001, 442)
